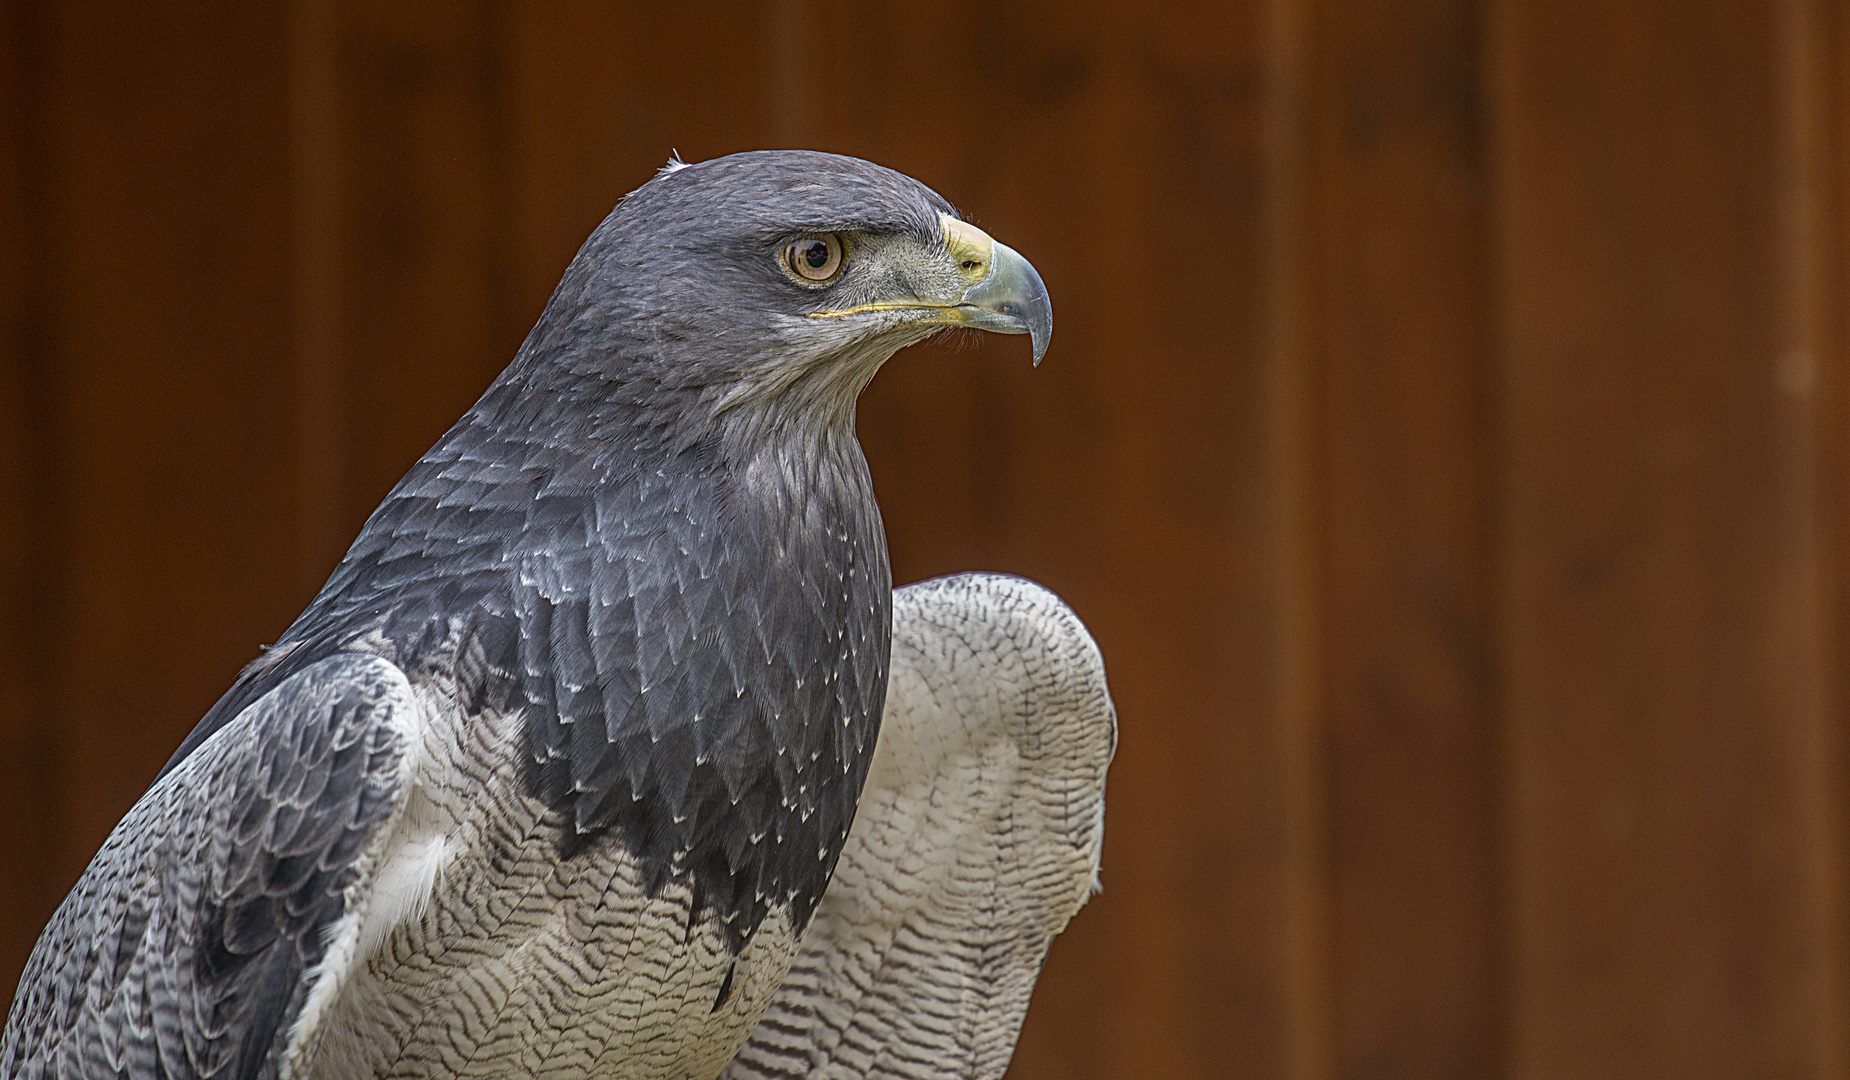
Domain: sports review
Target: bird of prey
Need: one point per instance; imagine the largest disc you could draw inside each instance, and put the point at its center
(550, 778)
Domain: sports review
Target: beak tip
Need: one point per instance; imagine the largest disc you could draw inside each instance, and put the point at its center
(1040, 327)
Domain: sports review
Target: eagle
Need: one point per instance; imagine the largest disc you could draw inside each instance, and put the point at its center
(558, 774)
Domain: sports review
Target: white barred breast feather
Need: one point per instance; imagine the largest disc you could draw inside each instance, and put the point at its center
(977, 838)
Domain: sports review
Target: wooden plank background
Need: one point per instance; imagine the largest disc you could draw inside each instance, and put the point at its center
(1444, 437)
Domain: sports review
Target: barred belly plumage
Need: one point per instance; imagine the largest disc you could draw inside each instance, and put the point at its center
(517, 963)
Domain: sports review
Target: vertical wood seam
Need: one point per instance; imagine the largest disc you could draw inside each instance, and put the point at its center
(320, 430)
(1496, 80)
(1813, 371)
(1296, 553)
(506, 191)
(1490, 25)
(46, 580)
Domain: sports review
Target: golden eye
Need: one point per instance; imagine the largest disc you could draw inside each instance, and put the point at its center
(814, 258)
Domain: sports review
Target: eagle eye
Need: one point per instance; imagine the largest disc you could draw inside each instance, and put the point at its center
(814, 258)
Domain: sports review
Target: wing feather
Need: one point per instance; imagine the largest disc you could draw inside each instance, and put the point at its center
(189, 946)
(977, 838)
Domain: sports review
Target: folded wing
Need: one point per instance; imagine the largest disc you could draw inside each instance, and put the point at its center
(977, 838)
(194, 943)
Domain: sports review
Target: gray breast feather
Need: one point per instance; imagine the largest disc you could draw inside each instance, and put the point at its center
(977, 838)
(189, 946)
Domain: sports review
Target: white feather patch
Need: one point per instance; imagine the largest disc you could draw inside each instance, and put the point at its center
(403, 886)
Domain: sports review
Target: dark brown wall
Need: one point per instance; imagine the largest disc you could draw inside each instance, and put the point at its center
(1444, 438)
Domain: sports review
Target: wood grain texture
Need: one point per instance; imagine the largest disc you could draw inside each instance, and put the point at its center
(158, 283)
(1399, 192)
(1443, 437)
(1666, 780)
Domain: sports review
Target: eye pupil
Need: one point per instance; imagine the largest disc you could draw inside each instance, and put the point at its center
(816, 255)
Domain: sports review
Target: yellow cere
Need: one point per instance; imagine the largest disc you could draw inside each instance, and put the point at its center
(970, 246)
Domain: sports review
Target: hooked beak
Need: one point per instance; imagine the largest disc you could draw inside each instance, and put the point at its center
(1010, 298)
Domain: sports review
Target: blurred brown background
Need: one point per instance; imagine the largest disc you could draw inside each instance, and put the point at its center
(1444, 436)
